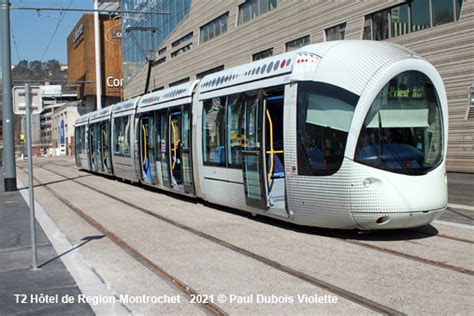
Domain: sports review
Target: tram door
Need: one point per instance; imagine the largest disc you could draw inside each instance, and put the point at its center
(147, 149)
(254, 171)
(180, 149)
(94, 147)
(186, 151)
(275, 171)
(163, 141)
(263, 164)
(104, 147)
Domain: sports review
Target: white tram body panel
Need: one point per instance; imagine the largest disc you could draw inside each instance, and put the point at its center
(356, 195)
(342, 134)
(81, 136)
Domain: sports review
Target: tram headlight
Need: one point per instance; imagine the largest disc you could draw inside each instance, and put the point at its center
(367, 182)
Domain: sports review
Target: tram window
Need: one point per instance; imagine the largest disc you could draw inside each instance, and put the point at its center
(213, 132)
(402, 132)
(235, 112)
(324, 117)
(122, 136)
(79, 140)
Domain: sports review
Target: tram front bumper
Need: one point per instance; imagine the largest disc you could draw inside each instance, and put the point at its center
(395, 220)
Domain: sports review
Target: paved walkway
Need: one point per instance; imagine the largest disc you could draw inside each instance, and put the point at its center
(16, 276)
(461, 188)
(460, 199)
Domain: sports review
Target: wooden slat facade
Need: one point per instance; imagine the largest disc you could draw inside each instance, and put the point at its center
(81, 56)
(449, 47)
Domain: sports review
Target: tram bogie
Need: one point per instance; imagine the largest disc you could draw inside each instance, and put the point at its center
(348, 134)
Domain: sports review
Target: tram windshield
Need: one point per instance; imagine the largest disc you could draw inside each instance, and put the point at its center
(402, 132)
(324, 118)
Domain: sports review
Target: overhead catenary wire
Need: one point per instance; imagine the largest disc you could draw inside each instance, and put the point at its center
(61, 18)
(15, 44)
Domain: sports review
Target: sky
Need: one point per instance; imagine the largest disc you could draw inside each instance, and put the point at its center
(32, 33)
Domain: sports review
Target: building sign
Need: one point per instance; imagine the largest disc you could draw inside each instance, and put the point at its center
(78, 35)
(114, 82)
(51, 90)
(114, 35)
(62, 137)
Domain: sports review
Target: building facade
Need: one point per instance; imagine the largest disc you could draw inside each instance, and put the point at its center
(52, 102)
(217, 35)
(62, 121)
(81, 61)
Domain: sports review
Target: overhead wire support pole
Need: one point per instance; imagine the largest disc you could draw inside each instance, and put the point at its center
(9, 167)
(98, 70)
(28, 108)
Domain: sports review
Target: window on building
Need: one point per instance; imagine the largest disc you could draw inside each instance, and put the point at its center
(443, 11)
(367, 33)
(178, 82)
(158, 62)
(263, 54)
(297, 43)
(470, 103)
(420, 15)
(336, 32)
(408, 17)
(399, 20)
(458, 9)
(184, 39)
(214, 28)
(158, 89)
(213, 132)
(380, 25)
(209, 71)
(122, 136)
(162, 51)
(181, 50)
(250, 9)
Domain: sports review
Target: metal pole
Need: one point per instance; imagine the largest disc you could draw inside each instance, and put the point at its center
(30, 176)
(9, 168)
(98, 75)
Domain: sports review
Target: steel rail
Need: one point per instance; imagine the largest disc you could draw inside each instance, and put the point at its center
(351, 296)
(134, 253)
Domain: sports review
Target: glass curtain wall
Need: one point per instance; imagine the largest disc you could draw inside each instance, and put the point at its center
(144, 33)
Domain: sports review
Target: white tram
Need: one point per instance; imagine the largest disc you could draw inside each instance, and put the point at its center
(343, 134)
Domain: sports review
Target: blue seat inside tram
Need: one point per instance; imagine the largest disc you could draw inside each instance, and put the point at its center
(278, 169)
(316, 158)
(391, 154)
(219, 155)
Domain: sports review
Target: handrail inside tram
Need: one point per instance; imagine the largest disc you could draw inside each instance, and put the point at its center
(145, 154)
(176, 143)
(272, 151)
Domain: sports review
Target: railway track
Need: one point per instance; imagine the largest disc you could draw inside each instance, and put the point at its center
(211, 308)
(444, 236)
(435, 263)
(188, 291)
(349, 240)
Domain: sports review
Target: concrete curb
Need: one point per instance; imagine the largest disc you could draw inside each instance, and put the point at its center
(87, 281)
(461, 207)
